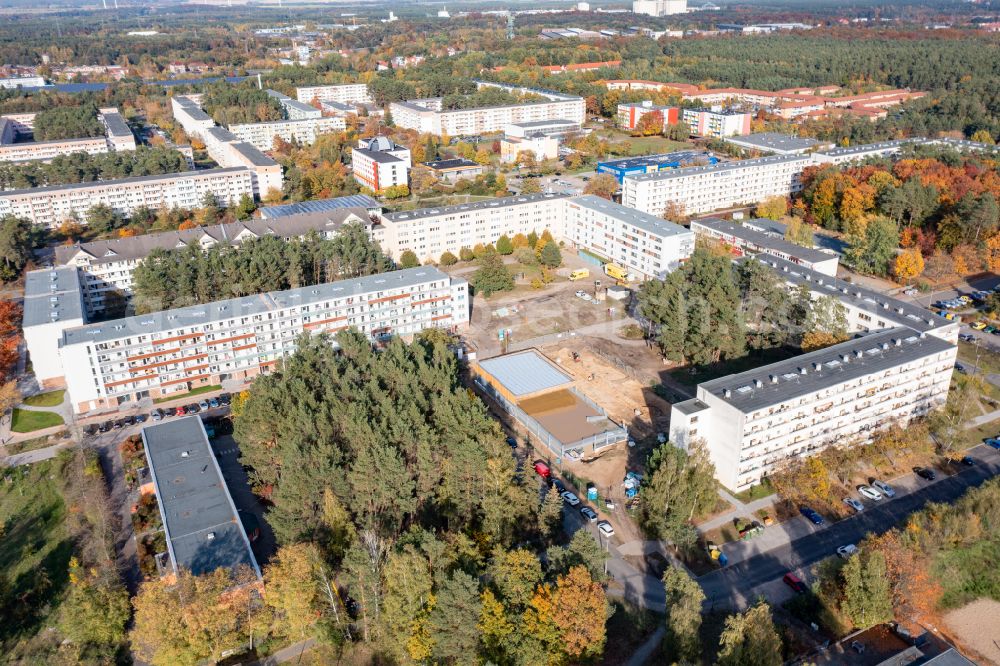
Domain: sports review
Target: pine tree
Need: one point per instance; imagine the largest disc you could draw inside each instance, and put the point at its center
(684, 598)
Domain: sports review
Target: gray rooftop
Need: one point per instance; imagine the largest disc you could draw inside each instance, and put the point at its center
(253, 155)
(525, 373)
(718, 168)
(691, 406)
(799, 376)
(527, 199)
(546, 123)
(199, 173)
(202, 526)
(770, 141)
(52, 296)
(193, 110)
(378, 156)
(116, 124)
(877, 148)
(138, 247)
(453, 164)
(764, 241)
(648, 223)
(199, 315)
(883, 307)
(320, 205)
(222, 135)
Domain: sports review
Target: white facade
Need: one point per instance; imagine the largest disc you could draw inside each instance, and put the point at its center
(118, 137)
(706, 188)
(171, 352)
(304, 132)
(659, 7)
(23, 82)
(53, 205)
(344, 93)
(542, 147)
(716, 123)
(378, 163)
(754, 237)
(52, 303)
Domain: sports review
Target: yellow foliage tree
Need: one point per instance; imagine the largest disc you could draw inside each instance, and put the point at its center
(908, 265)
(993, 253)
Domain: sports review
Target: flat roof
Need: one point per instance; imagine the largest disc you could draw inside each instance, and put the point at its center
(526, 373)
(773, 141)
(199, 315)
(692, 406)
(116, 124)
(785, 380)
(320, 205)
(887, 308)
(377, 156)
(545, 123)
(192, 109)
(202, 526)
(719, 168)
(459, 163)
(198, 173)
(764, 240)
(677, 157)
(881, 147)
(420, 213)
(222, 134)
(253, 155)
(648, 223)
(290, 103)
(52, 295)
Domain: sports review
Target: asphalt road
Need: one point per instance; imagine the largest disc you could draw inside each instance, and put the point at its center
(730, 587)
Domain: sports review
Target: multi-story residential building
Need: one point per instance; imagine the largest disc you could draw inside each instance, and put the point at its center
(717, 122)
(756, 421)
(754, 238)
(558, 127)
(56, 203)
(344, 93)
(108, 265)
(124, 361)
(53, 302)
(379, 163)
(776, 144)
(653, 163)
(630, 114)
(541, 146)
(427, 115)
(659, 7)
(304, 132)
(706, 188)
(117, 137)
(295, 110)
(639, 84)
(23, 82)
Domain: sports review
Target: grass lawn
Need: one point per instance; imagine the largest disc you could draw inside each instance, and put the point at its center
(754, 492)
(35, 550)
(649, 145)
(50, 399)
(191, 393)
(25, 421)
(988, 362)
(35, 443)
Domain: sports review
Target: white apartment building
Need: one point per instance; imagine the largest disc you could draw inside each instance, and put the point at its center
(702, 189)
(53, 302)
(295, 110)
(114, 363)
(717, 122)
(345, 93)
(759, 236)
(427, 115)
(23, 82)
(304, 132)
(56, 203)
(659, 7)
(541, 146)
(108, 265)
(379, 163)
(756, 421)
(117, 137)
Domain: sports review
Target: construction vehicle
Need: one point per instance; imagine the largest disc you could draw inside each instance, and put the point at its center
(616, 272)
(579, 274)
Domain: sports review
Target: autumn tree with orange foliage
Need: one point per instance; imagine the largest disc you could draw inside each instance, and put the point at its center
(908, 265)
(580, 610)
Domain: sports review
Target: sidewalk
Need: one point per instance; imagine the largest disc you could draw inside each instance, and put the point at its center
(740, 510)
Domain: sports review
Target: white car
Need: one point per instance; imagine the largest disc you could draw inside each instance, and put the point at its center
(870, 493)
(854, 504)
(569, 498)
(580, 293)
(884, 488)
(847, 551)
(605, 528)
(911, 291)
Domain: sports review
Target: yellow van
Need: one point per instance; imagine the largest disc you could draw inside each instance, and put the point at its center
(617, 272)
(579, 274)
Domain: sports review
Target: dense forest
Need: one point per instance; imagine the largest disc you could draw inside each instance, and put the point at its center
(67, 123)
(86, 168)
(230, 104)
(176, 278)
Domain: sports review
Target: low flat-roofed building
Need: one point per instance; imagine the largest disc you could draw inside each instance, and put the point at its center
(372, 206)
(747, 240)
(544, 399)
(776, 144)
(202, 526)
(558, 127)
(628, 166)
(542, 147)
(452, 171)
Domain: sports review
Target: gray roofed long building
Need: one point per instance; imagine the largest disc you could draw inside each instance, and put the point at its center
(201, 524)
(321, 205)
(751, 241)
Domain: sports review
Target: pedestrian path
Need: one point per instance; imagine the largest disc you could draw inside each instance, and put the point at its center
(740, 509)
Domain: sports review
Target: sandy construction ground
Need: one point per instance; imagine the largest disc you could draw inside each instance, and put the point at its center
(976, 626)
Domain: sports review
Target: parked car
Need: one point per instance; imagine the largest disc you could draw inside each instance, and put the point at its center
(129, 420)
(978, 326)
(156, 414)
(854, 504)
(794, 582)
(105, 427)
(968, 461)
(542, 469)
(884, 488)
(225, 398)
(924, 473)
(570, 498)
(170, 411)
(911, 291)
(213, 402)
(847, 550)
(960, 369)
(181, 411)
(193, 408)
(588, 513)
(869, 492)
(992, 442)
(119, 424)
(813, 517)
(966, 337)
(558, 485)
(605, 528)
(90, 430)
(140, 418)
(581, 294)
(203, 405)
(512, 442)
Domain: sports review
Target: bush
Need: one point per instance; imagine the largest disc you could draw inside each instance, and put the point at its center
(448, 259)
(408, 259)
(492, 276)
(550, 255)
(505, 246)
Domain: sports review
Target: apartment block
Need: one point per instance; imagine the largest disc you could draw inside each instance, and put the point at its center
(56, 203)
(702, 189)
(756, 236)
(659, 7)
(295, 110)
(117, 137)
(629, 115)
(344, 93)
(427, 115)
(304, 132)
(541, 146)
(379, 163)
(755, 422)
(108, 265)
(717, 123)
(113, 363)
(53, 302)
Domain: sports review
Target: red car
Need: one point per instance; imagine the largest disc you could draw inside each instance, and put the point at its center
(542, 469)
(181, 411)
(794, 582)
